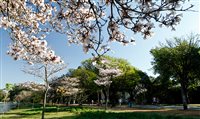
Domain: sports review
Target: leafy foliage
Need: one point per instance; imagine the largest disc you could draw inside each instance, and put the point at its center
(179, 61)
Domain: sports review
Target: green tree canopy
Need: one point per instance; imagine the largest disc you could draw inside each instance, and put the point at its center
(178, 60)
(129, 79)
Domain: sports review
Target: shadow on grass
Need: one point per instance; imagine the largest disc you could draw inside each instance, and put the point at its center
(74, 109)
(128, 115)
(22, 113)
(38, 117)
(63, 117)
(27, 105)
(16, 116)
(91, 113)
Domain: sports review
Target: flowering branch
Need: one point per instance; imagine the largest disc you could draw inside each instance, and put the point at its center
(83, 21)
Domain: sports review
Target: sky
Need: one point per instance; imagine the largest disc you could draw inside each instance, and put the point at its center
(138, 55)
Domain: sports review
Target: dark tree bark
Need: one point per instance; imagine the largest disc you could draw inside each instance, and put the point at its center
(184, 95)
(106, 94)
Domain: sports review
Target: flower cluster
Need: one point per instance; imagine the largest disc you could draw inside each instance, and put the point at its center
(32, 86)
(35, 51)
(109, 72)
(23, 95)
(105, 81)
(87, 19)
(25, 22)
(83, 21)
(65, 85)
(106, 72)
(105, 75)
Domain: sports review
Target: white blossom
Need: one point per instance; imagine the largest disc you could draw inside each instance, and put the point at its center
(106, 73)
(66, 85)
(83, 22)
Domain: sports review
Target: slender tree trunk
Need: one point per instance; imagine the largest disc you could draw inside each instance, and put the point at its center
(130, 101)
(184, 96)
(46, 91)
(107, 97)
(123, 96)
(18, 104)
(98, 99)
(44, 102)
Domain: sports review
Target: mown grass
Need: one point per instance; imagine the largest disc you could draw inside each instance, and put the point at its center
(35, 113)
(88, 113)
(129, 115)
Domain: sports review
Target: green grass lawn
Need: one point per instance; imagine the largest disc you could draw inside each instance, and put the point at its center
(51, 113)
(93, 113)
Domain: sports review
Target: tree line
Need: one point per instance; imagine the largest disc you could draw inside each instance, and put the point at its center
(98, 81)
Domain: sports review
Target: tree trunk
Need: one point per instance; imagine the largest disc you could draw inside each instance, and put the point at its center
(98, 98)
(44, 102)
(107, 97)
(184, 96)
(46, 91)
(105, 92)
(130, 100)
(123, 96)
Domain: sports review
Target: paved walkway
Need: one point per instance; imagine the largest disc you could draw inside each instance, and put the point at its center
(164, 107)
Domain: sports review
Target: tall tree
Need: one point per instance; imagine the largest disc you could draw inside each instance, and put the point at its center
(179, 60)
(27, 91)
(86, 82)
(107, 70)
(126, 82)
(63, 87)
(45, 72)
(8, 88)
(2, 94)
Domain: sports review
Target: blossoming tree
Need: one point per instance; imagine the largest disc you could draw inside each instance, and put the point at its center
(64, 87)
(83, 21)
(106, 73)
(44, 70)
(27, 91)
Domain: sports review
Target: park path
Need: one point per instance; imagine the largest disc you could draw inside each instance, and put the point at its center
(172, 109)
(165, 107)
